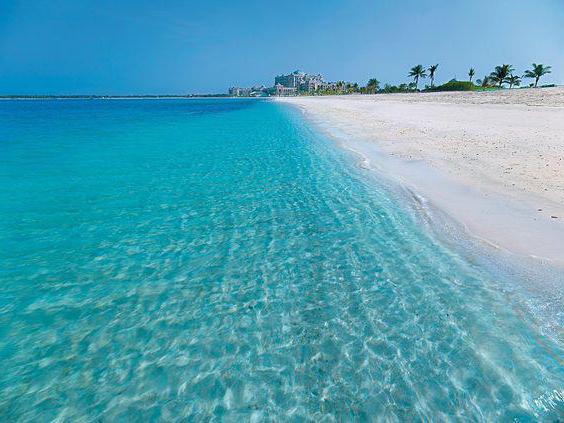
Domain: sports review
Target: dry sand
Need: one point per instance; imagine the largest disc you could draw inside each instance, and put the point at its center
(493, 161)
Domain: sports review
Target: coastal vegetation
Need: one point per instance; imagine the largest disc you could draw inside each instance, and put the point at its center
(401, 88)
(372, 86)
(432, 70)
(513, 80)
(471, 74)
(502, 76)
(455, 85)
(416, 73)
(536, 72)
(485, 82)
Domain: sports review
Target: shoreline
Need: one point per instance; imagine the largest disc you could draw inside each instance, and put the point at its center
(536, 283)
(516, 220)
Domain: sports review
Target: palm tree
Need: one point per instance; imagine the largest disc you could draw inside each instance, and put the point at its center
(471, 73)
(484, 82)
(537, 72)
(340, 86)
(372, 85)
(432, 69)
(513, 80)
(500, 74)
(417, 72)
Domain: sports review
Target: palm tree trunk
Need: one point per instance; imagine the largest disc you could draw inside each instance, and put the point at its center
(537, 81)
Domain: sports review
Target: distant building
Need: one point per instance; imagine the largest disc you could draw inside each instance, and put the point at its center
(331, 86)
(239, 92)
(292, 84)
(259, 91)
(299, 81)
(292, 80)
(282, 91)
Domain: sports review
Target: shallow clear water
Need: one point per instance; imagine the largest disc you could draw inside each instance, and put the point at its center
(219, 259)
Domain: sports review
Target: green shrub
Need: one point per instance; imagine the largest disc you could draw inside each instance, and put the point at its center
(454, 85)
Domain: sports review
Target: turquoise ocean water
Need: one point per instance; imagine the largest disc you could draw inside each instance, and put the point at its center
(219, 259)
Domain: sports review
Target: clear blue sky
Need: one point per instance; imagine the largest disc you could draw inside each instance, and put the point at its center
(195, 46)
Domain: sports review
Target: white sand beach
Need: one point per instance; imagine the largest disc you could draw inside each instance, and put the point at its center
(493, 161)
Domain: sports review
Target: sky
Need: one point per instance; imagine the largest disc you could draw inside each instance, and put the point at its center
(205, 46)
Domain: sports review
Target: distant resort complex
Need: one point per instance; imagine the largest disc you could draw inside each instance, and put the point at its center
(295, 83)
(301, 83)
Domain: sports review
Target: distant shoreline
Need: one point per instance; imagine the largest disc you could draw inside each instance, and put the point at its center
(110, 97)
(223, 96)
